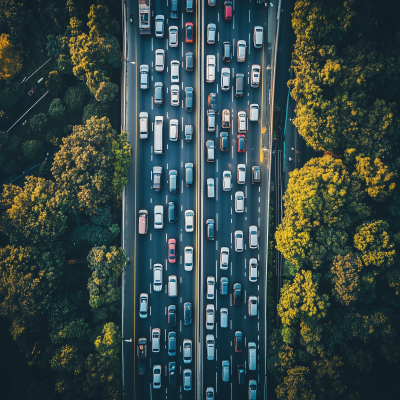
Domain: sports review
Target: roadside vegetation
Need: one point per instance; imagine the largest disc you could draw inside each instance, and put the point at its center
(60, 266)
(339, 308)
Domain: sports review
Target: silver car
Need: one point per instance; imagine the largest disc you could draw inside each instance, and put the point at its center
(224, 317)
(157, 277)
(175, 95)
(187, 351)
(225, 79)
(155, 340)
(211, 33)
(158, 217)
(157, 376)
(173, 36)
(210, 188)
(189, 220)
(174, 71)
(258, 37)
(210, 287)
(239, 202)
(210, 344)
(226, 181)
(160, 60)
(224, 258)
(241, 174)
(210, 310)
(144, 76)
(238, 241)
(241, 51)
(173, 130)
(255, 75)
(159, 26)
(253, 270)
(144, 305)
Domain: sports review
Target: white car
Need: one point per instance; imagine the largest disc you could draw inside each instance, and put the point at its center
(157, 277)
(210, 188)
(241, 51)
(144, 305)
(210, 311)
(226, 181)
(158, 217)
(225, 79)
(224, 258)
(157, 376)
(211, 33)
(223, 317)
(253, 237)
(239, 202)
(210, 68)
(258, 37)
(242, 123)
(253, 270)
(238, 241)
(173, 130)
(160, 59)
(173, 36)
(174, 71)
(255, 75)
(159, 26)
(188, 258)
(187, 351)
(189, 220)
(175, 95)
(210, 287)
(241, 174)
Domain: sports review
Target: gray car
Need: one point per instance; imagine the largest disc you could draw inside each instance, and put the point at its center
(241, 51)
(159, 24)
(157, 277)
(173, 36)
(211, 33)
(158, 93)
(144, 76)
(258, 37)
(144, 305)
(159, 60)
(158, 217)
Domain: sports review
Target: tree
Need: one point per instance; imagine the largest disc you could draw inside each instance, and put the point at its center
(56, 109)
(100, 21)
(106, 92)
(34, 150)
(74, 98)
(11, 168)
(93, 109)
(56, 134)
(11, 94)
(14, 143)
(38, 122)
(10, 58)
(121, 150)
(3, 138)
(54, 83)
(58, 48)
(296, 385)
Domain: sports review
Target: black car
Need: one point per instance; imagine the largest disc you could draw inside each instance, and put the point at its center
(227, 51)
(223, 141)
(174, 9)
(189, 61)
(172, 374)
(210, 229)
(171, 212)
(187, 313)
(172, 315)
(188, 133)
(237, 294)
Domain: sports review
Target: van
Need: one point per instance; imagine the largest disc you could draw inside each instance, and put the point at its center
(239, 87)
(189, 174)
(143, 221)
(143, 125)
(252, 355)
(158, 134)
(210, 68)
(254, 110)
(172, 286)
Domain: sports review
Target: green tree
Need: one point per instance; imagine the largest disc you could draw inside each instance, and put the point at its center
(14, 143)
(12, 167)
(93, 109)
(297, 385)
(58, 48)
(54, 83)
(100, 21)
(74, 98)
(121, 150)
(11, 94)
(56, 134)
(106, 92)
(3, 138)
(38, 122)
(10, 58)
(33, 149)
(56, 109)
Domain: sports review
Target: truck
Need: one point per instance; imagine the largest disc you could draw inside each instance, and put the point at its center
(210, 68)
(144, 17)
(142, 355)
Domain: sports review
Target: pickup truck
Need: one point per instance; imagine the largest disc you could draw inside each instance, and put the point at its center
(142, 355)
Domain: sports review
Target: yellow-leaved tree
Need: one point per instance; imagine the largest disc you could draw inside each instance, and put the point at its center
(10, 58)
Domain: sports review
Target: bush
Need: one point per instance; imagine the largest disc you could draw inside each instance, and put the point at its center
(93, 109)
(56, 109)
(38, 122)
(11, 168)
(14, 143)
(33, 149)
(54, 83)
(74, 98)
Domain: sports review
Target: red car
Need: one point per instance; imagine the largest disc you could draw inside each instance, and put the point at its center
(172, 251)
(189, 32)
(228, 10)
(241, 143)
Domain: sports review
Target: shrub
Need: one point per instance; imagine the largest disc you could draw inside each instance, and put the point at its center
(11, 168)
(93, 109)
(33, 149)
(74, 98)
(14, 143)
(56, 109)
(38, 122)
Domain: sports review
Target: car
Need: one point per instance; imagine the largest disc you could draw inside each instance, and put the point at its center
(238, 241)
(225, 370)
(237, 294)
(228, 10)
(252, 305)
(187, 379)
(211, 120)
(173, 36)
(189, 32)
(210, 188)
(210, 150)
(223, 314)
(189, 62)
(239, 85)
(238, 341)
(155, 340)
(239, 202)
(211, 33)
(241, 143)
(158, 217)
(188, 133)
(252, 389)
(188, 258)
(172, 374)
(224, 257)
(144, 76)
(175, 95)
(189, 174)
(252, 354)
(241, 372)
(242, 122)
(158, 93)
(171, 212)
(255, 175)
(172, 251)
(253, 237)
(174, 9)
(258, 37)
(223, 286)
(159, 26)
(189, 5)
(227, 51)
(157, 376)
(172, 286)
(187, 351)
(173, 180)
(241, 174)
(241, 51)
(172, 343)
(210, 393)
(173, 130)
(144, 305)
(253, 270)
(189, 220)
(172, 315)
(225, 79)
(187, 313)
(255, 75)
(157, 174)
(254, 111)
(226, 181)
(210, 345)
(210, 287)
(226, 118)
(174, 71)
(210, 68)
(212, 2)
(210, 311)
(210, 229)
(223, 141)
(157, 277)
(160, 60)
(189, 99)
(212, 100)
(143, 125)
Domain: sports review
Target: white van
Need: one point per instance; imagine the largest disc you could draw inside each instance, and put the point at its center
(210, 68)
(158, 134)
(252, 355)
(172, 286)
(254, 110)
(143, 125)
